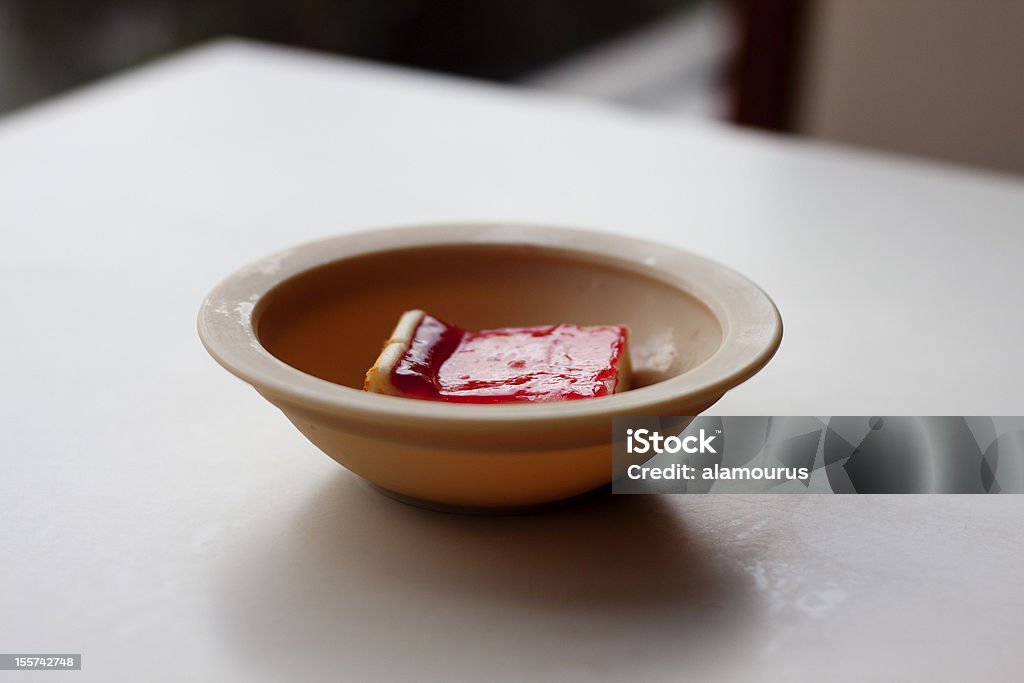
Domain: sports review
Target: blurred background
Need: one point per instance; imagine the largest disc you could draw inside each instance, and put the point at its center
(939, 79)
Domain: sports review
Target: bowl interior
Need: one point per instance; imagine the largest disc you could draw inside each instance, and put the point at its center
(331, 321)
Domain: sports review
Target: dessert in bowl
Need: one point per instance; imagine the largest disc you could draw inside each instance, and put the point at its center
(430, 359)
(304, 325)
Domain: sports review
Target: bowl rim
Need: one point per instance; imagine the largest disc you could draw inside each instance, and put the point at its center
(751, 327)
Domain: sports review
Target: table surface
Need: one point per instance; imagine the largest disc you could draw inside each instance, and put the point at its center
(163, 520)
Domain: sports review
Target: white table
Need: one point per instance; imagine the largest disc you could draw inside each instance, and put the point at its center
(163, 520)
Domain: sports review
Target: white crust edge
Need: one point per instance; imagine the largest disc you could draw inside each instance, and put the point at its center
(378, 377)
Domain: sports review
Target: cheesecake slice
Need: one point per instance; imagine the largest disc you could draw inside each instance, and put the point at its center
(426, 358)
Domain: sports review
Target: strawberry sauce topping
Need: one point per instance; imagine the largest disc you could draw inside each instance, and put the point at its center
(512, 364)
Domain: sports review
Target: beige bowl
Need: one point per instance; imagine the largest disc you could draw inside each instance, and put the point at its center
(303, 326)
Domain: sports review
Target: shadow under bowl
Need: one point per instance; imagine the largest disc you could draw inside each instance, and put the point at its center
(303, 326)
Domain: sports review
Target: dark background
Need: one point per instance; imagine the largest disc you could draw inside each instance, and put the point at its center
(50, 46)
(938, 79)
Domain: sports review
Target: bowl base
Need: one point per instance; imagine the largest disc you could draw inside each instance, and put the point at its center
(496, 511)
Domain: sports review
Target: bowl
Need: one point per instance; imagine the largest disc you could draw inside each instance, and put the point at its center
(302, 326)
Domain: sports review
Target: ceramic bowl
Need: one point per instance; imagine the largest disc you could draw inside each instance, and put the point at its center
(302, 326)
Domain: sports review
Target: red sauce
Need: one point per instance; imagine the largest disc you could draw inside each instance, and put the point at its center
(513, 364)
(432, 344)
